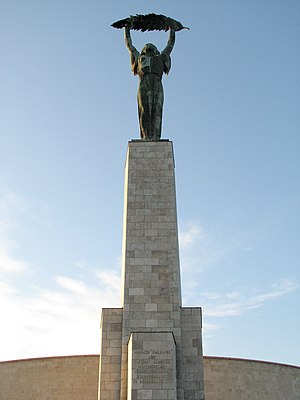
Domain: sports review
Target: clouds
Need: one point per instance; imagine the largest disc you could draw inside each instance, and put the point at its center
(220, 305)
(9, 262)
(192, 234)
(57, 317)
(61, 316)
(197, 249)
(11, 206)
(204, 262)
(16, 214)
(59, 321)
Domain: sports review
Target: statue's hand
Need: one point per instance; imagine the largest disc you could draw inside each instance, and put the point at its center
(129, 24)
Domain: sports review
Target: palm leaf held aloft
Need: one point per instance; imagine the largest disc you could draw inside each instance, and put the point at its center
(149, 22)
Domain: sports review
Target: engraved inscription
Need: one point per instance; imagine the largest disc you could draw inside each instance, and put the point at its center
(156, 368)
(152, 363)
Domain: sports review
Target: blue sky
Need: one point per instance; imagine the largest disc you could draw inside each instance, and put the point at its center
(67, 111)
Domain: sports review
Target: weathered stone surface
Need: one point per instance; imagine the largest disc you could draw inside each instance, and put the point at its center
(59, 378)
(151, 289)
(151, 275)
(110, 353)
(76, 378)
(151, 366)
(238, 379)
(192, 355)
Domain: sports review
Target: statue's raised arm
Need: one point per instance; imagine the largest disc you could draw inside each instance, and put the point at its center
(134, 54)
(150, 65)
(169, 47)
(167, 51)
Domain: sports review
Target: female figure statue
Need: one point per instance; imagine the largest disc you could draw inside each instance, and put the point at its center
(150, 65)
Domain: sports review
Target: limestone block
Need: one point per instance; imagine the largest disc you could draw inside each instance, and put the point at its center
(110, 354)
(192, 357)
(76, 377)
(150, 261)
(151, 366)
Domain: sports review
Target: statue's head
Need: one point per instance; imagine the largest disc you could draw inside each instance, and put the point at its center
(150, 50)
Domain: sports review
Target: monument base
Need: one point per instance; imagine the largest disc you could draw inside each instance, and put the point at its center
(151, 347)
(151, 366)
(110, 354)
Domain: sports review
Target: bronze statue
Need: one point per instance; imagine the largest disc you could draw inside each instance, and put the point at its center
(150, 65)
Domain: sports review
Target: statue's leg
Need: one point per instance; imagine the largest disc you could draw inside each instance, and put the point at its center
(140, 111)
(145, 101)
(157, 111)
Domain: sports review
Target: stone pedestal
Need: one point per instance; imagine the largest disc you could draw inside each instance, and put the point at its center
(151, 318)
(151, 366)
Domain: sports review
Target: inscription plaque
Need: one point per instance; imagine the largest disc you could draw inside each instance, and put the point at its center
(152, 360)
(153, 369)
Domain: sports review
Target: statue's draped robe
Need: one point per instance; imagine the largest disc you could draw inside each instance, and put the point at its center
(150, 93)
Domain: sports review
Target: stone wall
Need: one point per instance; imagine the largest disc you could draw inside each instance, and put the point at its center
(238, 379)
(76, 378)
(55, 378)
